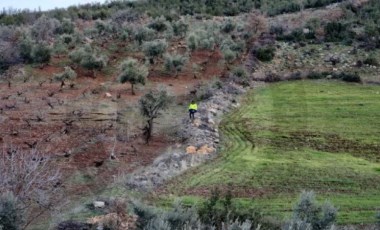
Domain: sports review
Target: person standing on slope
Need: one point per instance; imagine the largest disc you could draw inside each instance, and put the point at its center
(193, 107)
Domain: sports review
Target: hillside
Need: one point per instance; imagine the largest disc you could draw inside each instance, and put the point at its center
(287, 94)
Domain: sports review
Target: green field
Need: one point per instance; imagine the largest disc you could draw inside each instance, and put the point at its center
(293, 136)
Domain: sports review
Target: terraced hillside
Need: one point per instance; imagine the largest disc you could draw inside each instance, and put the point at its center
(294, 136)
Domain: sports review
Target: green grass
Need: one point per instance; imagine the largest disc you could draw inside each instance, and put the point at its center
(303, 135)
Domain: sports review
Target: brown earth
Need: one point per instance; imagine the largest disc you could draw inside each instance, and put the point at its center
(80, 127)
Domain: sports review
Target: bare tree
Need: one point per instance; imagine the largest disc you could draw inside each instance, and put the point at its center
(150, 106)
(31, 179)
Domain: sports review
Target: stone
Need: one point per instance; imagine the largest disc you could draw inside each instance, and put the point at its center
(191, 150)
(205, 150)
(108, 95)
(197, 122)
(211, 121)
(99, 204)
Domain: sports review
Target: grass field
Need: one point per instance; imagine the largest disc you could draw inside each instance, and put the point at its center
(293, 136)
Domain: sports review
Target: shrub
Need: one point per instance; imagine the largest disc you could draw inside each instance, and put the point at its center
(180, 28)
(294, 76)
(67, 74)
(229, 55)
(88, 58)
(371, 61)
(144, 213)
(41, 53)
(236, 46)
(228, 26)
(307, 213)
(378, 219)
(133, 73)
(102, 27)
(272, 77)
(159, 24)
(44, 28)
(125, 15)
(59, 48)
(317, 75)
(9, 55)
(178, 217)
(218, 210)
(192, 41)
(200, 39)
(154, 49)
(66, 27)
(141, 34)
(284, 7)
(239, 72)
(10, 218)
(240, 76)
(29, 177)
(335, 31)
(265, 54)
(204, 92)
(26, 46)
(296, 35)
(348, 77)
(174, 63)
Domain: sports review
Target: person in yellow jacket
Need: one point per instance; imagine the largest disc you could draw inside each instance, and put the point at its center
(193, 107)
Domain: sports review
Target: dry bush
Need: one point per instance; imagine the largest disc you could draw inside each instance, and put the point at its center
(30, 178)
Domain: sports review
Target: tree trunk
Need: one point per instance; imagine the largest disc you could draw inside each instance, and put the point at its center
(133, 91)
(149, 129)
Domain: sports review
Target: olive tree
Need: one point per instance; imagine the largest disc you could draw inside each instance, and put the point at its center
(308, 214)
(41, 53)
(154, 49)
(34, 52)
(43, 29)
(67, 74)
(132, 72)
(150, 106)
(88, 58)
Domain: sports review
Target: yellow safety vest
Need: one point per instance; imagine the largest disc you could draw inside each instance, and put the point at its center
(193, 106)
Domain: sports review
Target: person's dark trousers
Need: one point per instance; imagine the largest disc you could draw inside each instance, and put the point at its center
(191, 113)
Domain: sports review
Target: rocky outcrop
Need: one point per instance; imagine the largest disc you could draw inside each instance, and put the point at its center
(202, 139)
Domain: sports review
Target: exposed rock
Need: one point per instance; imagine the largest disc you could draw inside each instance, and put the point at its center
(200, 137)
(191, 150)
(99, 204)
(197, 122)
(205, 150)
